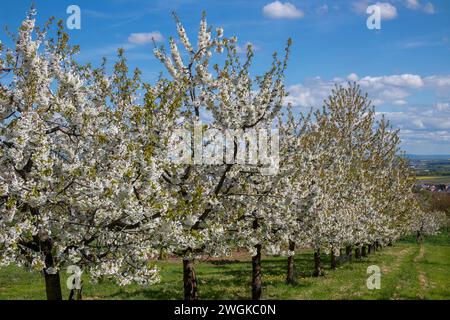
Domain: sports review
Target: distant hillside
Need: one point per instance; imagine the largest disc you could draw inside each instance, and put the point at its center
(428, 157)
(436, 167)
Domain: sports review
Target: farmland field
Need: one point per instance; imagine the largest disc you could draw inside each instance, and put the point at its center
(431, 169)
(434, 179)
(408, 271)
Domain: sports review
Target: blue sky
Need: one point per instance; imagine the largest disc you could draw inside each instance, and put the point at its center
(405, 66)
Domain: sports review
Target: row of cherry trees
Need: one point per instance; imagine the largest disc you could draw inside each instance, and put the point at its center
(87, 179)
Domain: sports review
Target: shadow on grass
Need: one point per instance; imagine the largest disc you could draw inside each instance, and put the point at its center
(225, 279)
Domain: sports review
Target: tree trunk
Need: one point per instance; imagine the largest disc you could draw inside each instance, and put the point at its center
(256, 274)
(290, 264)
(52, 286)
(317, 269)
(333, 260)
(76, 294)
(379, 247)
(348, 252)
(369, 249)
(364, 251)
(190, 280)
(418, 237)
(357, 253)
(52, 281)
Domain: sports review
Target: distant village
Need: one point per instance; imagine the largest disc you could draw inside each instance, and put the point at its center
(435, 187)
(433, 166)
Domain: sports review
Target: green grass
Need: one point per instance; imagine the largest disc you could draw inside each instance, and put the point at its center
(445, 179)
(409, 271)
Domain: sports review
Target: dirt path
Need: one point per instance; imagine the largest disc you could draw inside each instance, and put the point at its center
(421, 253)
(399, 257)
(422, 277)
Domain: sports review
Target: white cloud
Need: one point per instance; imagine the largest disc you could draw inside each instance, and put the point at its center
(352, 77)
(418, 123)
(301, 96)
(416, 5)
(429, 8)
(280, 10)
(400, 102)
(412, 4)
(393, 94)
(441, 106)
(145, 37)
(424, 127)
(322, 9)
(388, 11)
(309, 94)
(420, 117)
(403, 80)
(439, 81)
(383, 90)
(417, 119)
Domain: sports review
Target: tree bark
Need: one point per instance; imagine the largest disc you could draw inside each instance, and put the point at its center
(419, 237)
(290, 264)
(52, 281)
(52, 286)
(333, 260)
(256, 274)
(190, 280)
(317, 266)
(348, 252)
(357, 253)
(364, 251)
(379, 247)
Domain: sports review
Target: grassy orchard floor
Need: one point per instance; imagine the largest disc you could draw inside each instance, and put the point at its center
(409, 271)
